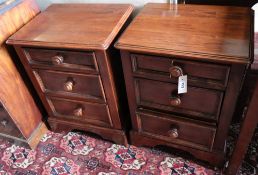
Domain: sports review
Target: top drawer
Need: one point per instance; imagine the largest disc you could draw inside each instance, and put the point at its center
(168, 69)
(76, 60)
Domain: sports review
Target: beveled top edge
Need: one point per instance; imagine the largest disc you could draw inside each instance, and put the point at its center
(106, 44)
(193, 55)
(187, 55)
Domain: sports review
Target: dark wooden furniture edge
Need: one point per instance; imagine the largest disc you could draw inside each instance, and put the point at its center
(29, 119)
(246, 132)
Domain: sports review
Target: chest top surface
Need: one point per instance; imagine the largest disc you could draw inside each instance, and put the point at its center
(84, 26)
(197, 31)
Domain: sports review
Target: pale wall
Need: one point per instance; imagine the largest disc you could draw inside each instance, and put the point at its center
(255, 7)
(138, 3)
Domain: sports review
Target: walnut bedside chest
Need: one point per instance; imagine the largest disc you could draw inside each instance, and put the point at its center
(68, 53)
(212, 45)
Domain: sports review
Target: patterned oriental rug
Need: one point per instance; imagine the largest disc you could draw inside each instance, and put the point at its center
(78, 154)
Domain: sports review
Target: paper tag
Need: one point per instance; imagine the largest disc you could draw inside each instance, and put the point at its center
(182, 84)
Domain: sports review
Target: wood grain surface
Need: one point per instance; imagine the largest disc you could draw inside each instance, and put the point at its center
(13, 91)
(210, 32)
(15, 18)
(93, 26)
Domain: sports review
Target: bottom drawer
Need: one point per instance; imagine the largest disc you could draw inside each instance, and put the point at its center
(178, 131)
(80, 111)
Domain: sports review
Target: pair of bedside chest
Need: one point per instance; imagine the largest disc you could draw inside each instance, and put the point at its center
(68, 52)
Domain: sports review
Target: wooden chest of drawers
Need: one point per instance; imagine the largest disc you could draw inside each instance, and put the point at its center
(67, 52)
(212, 46)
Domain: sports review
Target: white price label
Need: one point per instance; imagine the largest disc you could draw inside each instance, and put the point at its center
(182, 84)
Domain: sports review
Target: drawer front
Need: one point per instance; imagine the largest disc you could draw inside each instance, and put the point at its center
(197, 102)
(180, 132)
(199, 73)
(7, 126)
(70, 84)
(62, 59)
(80, 111)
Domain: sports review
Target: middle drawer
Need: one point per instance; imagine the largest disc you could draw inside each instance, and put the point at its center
(81, 86)
(196, 103)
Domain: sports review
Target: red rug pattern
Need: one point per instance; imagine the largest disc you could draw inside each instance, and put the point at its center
(77, 154)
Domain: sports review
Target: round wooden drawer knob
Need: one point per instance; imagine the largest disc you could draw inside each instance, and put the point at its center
(173, 133)
(68, 86)
(175, 101)
(175, 71)
(56, 60)
(78, 112)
